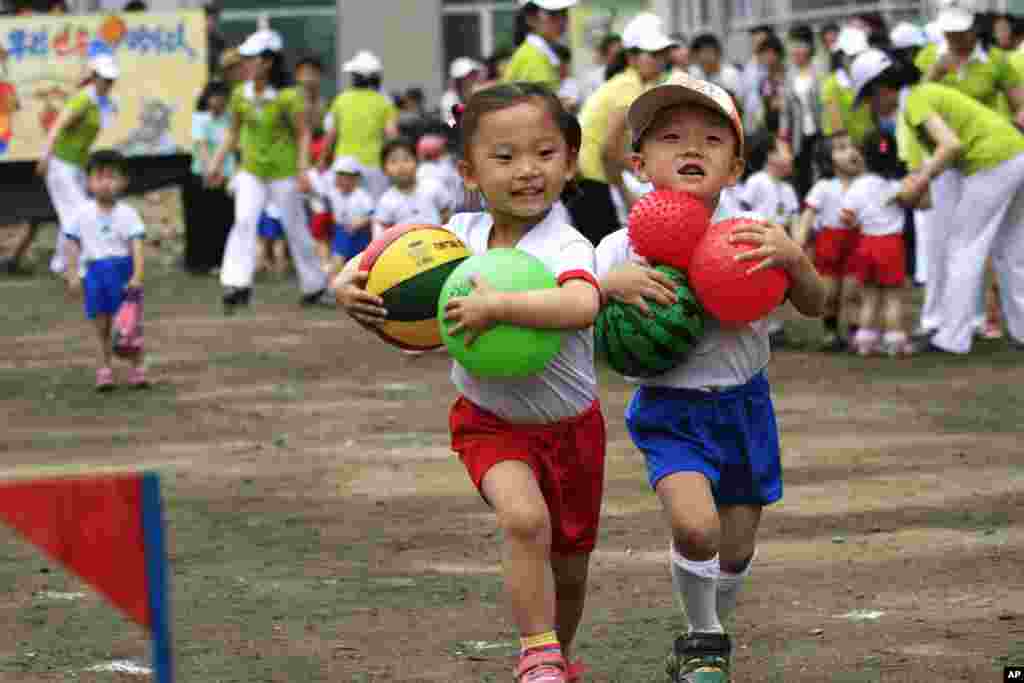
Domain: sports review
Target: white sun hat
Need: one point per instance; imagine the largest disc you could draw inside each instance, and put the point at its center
(906, 35)
(348, 165)
(104, 66)
(464, 66)
(955, 16)
(365, 63)
(851, 41)
(865, 68)
(549, 5)
(262, 41)
(646, 32)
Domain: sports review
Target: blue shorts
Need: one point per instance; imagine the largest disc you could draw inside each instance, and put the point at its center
(729, 436)
(270, 228)
(104, 285)
(348, 245)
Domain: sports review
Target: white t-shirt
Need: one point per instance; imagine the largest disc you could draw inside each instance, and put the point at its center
(346, 208)
(867, 198)
(729, 199)
(423, 205)
(444, 173)
(773, 199)
(728, 77)
(101, 234)
(826, 198)
(568, 385)
(724, 356)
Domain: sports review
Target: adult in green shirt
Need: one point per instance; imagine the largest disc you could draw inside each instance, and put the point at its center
(957, 131)
(66, 151)
(268, 122)
(963, 63)
(838, 112)
(539, 25)
(360, 120)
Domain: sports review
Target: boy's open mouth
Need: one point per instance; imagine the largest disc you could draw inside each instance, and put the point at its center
(691, 169)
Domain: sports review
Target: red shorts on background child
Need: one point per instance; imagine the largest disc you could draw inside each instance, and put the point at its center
(833, 249)
(880, 260)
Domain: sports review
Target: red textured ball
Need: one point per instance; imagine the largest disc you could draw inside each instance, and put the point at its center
(722, 284)
(665, 227)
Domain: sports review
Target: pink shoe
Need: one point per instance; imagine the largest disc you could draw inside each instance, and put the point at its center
(576, 671)
(137, 378)
(992, 330)
(543, 667)
(104, 379)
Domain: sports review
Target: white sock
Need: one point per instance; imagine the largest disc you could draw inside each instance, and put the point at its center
(695, 585)
(729, 586)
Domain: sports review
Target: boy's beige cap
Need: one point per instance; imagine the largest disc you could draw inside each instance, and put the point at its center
(682, 88)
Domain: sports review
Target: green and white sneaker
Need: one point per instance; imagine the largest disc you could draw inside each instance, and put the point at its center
(700, 658)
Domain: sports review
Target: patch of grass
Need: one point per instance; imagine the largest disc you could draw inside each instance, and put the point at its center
(1014, 655)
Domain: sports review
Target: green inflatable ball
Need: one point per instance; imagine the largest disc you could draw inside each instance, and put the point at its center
(504, 350)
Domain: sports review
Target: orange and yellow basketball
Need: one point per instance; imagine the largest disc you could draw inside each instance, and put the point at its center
(408, 266)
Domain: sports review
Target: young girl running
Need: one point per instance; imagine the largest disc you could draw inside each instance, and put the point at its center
(534, 447)
(268, 120)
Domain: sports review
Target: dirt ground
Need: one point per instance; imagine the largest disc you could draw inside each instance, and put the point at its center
(320, 528)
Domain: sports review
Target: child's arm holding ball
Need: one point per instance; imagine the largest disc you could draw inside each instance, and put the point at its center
(775, 249)
(631, 281)
(350, 289)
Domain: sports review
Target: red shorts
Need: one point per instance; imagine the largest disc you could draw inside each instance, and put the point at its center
(567, 458)
(880, 260)
(833, 248)
(322, 226)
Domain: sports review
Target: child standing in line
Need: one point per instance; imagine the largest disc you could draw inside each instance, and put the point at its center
(872, 206)
(107, 236)
(408, 200)
(834, 242)
(352, 210)
(436, 164)
(706, 428)
(273, 248)
(534, 446)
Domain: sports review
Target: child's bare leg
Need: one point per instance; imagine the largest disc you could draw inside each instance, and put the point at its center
(323, 251)
(334, 268)
(892, 307)
(570, 595)
(523, 516)
(696, 532)
(25, 241)
(849, 300)
(739, 531)
(280, 256)
(831, 296)
(102, 324)
(263, 255)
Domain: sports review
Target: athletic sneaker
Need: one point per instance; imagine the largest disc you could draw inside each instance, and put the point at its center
(318, 297)
(700, 658)
(235, 297)
(104, 379)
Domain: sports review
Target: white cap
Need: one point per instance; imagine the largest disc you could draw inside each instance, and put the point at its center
(906, 35)
(851, 41)
(865, 68)
(262, 41)
(104, 66)
(549, 5)
(954, 17)
(934, 33)
(347, 165)
(679, 89)
(464, 66)
(646, 32)
(365, 63)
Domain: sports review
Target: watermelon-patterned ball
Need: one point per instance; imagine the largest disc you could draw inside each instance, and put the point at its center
(636, 345)
(665, 226)
(722, 284)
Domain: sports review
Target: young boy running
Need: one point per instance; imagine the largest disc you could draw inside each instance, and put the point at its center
(707, 428)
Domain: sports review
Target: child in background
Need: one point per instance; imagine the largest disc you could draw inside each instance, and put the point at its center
(872, 205)
(835, 242)
(351, 208)
(321, 222)
(437, 165)
(533, 446)
(706, 428)
(273, 250)
(408, 200)
(767, 193)
(107, 236)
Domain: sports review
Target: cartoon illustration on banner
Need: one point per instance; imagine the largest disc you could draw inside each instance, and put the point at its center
(162, 57)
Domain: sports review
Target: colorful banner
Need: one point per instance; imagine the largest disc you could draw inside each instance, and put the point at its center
(43, 60)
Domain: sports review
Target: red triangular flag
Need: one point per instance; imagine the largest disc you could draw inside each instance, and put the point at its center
(92, 526)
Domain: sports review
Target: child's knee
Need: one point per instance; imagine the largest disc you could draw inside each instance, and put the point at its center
(526, 522)
(697, 541)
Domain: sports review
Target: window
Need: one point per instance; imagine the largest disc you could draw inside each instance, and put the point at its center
(472, 28)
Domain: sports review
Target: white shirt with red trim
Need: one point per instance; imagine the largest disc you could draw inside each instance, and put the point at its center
(774, 199)
(826, 198)
(724, 357)
(869, 198)
(568, 385)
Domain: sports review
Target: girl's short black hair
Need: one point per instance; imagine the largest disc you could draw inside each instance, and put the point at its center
(802, 33)
(759, 146)
(772, 43)
(706, 40)
(899, 74)
(881, 156)
(823, 153)
(212, 89)
(371, 82)
(397, 143)
(107, 159)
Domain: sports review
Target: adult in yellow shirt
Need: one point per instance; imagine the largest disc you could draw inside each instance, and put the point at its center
(838, 112)
(360, 120)
(604, 154)
(958, 131)
(539, 25)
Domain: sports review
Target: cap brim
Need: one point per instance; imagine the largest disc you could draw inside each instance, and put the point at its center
(554, 5)
(658, 44)
(645, 108)
(954, 22)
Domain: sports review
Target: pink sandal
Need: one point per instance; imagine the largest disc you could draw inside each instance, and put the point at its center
(543, 667)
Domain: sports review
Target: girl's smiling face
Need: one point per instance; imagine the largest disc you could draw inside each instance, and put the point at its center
(518, 158)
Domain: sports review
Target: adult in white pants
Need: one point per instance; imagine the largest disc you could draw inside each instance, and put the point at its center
(933, 236)
(988, 151)
(269, 121)
(66, 153)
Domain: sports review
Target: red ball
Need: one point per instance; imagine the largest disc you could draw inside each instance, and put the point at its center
(722, 284)
(665, 227)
